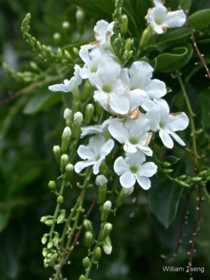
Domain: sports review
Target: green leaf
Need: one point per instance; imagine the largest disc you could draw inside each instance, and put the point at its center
(4, 218)
(41, 101)
(185, 4)
(176, 59)
(200, 20)
(164, 197)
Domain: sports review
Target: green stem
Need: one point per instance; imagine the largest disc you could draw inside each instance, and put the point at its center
(191, 119)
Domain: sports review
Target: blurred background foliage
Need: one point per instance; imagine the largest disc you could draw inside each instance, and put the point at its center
(31, 122)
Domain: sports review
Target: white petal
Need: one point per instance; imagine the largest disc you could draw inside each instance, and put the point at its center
(107, 147)
(79, 166)
(178, 122)
(140, 73)
(156, 88)
(177, 138)
(166, 139)
(85, 152)
(148, 169)
(96, 166)
(119, 103)
(118, 131)
(120, 166)
(143, 182)
(127, 180)
(175, 19)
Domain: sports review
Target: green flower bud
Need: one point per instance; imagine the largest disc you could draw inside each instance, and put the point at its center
(128, 44)
(86, 262)
(146, 37)
(57, 153)
(67, 116)
(124, 193)
(105, 231)
(89, 110)
(44, 239)
(61, 216)
(195, 179)
(88, 225)
(44, 252)
(106, 208)
(182, 183)
(124, 24)
(56, 238)
(49, 222)
(69, 171)
(107, 246)
(57, 36)
(45, 218)
(83, 277)
(63, 163)
(88, 239)
(66, 25)
(65, 139)
(52, 185)
(49, 244)
(86, 91)
(97, 254)
(60, 199)
(167, 170)
(166, 164)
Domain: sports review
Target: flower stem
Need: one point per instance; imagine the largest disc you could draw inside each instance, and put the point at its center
(191, 119)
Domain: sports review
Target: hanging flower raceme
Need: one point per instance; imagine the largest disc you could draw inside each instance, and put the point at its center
(131, 94)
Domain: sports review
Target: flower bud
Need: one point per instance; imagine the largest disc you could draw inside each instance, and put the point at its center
(49, 244)
(88, 225)
(57, 153)
(66, 25)
(56, 238)
(86, 91)
(49, 222)
(64, 162)
(101, 180)
(166, 164)
(106, 208)
(128, 44)
(123, 194)
(61, 217)
(52, 185)
(97, 254)
(83, 277)
(124, 24)
(69, 171)
(65, 139)
(67, 116)
(86, 262)
(60, 199)
(44, 239)
(57, 36)
(79, 15)
(89, 110)
(88, 239)
(107, 246)
(78, 118)
(105, 231)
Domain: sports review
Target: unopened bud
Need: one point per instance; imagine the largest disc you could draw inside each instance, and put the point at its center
(44, 239)
(88, 225)
(57, 153)
(49, 244)
(56, 36)
(64, 162)
(105, 231)
(166, 164)
(78, 118)
(124, 193)
(128, 44)
(86, 92)
(52, 185)
(86, 262)
(83, 277)
(67, 116)
(88, 239)
(61, 217)
(97, 254)
(79, 15)
(66, 25)
(124, 24)
(89, 110)
(60, 199)
(69, 171)
(65, 139)
(107, 246)
(106, 208)
(101, 180)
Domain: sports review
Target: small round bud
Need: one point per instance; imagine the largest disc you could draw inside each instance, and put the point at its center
(89, 110)
(107, 246)
(66, 25)
(105, 231)
(79, 15)
(44, 239)
(60, 199)
(83, 277)
(56, 36)
(106, 208)
(67, 116)
(101, 180)
(52, 185)
(69, 170)
(78, 118)
(49, 244)
(86, 262)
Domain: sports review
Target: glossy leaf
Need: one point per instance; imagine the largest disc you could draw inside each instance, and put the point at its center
(200, 19)
(164, 197)
(176, 59)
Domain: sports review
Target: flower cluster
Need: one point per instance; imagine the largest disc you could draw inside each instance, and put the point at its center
(136, 106)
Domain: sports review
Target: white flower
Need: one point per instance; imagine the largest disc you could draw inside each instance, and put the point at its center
(92, 55)
(93, 154)
(132, 169)
(95, 129)
(139, 80)
(103, 31)
(160, 19)
(133, 134)
(161, 120)
(69, 85)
